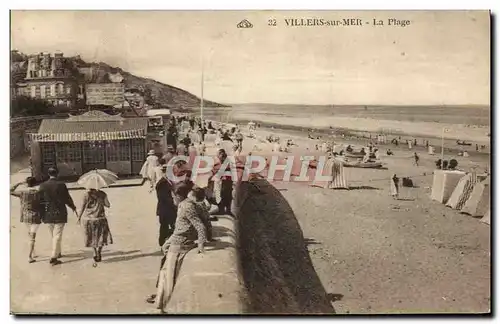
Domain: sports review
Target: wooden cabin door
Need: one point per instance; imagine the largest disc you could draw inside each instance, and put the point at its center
(138, 154)
(94, 156)
(48, 156)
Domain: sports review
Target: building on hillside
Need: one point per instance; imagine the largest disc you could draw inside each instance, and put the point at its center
(94, 140)
(17, 75)
(51, 78)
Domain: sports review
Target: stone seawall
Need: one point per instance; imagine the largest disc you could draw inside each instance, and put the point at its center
(211, 283)
(277, 270)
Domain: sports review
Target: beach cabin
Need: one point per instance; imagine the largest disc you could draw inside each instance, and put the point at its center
(94, 140)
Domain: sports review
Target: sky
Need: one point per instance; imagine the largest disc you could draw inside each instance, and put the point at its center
(440, 58)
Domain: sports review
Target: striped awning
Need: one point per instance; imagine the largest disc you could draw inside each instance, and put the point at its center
(82, 137)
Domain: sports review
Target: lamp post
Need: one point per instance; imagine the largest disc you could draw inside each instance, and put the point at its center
(201, 102)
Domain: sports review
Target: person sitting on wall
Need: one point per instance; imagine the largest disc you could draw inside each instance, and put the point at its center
(199, 197)
(188, 229)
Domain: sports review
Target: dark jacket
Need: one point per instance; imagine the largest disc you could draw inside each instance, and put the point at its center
(165, 208)
(55, 197)
(186, 141)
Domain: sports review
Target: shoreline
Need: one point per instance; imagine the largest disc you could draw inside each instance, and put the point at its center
(450, 145)
(451, 149)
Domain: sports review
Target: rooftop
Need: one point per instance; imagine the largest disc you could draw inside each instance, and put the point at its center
(93, 125)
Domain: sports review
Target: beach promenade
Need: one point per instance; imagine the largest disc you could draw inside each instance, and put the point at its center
(372, 254)
(119, 284)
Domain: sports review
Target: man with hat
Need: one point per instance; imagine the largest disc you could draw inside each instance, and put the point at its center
(165, 208)
(56, 197)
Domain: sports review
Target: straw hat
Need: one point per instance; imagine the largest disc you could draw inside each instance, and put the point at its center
(151, 152)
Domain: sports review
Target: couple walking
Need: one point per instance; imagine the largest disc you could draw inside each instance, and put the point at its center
(48, 203)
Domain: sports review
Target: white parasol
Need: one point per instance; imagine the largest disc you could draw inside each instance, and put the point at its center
(97, 179)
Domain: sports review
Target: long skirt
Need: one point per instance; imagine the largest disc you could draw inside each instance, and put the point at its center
(394, 189)
(97, 233)
(167, 278)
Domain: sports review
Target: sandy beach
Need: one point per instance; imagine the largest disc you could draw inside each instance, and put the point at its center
(377, 255)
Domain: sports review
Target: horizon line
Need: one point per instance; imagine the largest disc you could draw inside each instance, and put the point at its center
(360, 105)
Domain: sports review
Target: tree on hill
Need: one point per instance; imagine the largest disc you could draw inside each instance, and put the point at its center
(25, 106)
(16, 56)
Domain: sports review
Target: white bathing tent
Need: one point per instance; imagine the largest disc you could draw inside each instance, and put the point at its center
(479, 201)
(487, 217)
(334, 168)
(462, 191)
(443, 184)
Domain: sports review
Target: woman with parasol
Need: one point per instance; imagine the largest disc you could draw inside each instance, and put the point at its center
(95, 223)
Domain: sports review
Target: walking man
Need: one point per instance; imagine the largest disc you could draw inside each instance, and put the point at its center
(56, 197)
(416, 158)
(239, 140)
(165, 208)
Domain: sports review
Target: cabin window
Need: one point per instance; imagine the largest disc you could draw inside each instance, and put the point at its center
(93, 152)
(69, 152)
(48, 153)
(118, 151)
(138, 149)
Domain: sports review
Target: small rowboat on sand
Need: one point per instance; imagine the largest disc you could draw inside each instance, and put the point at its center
(369, 165)
(355, 155)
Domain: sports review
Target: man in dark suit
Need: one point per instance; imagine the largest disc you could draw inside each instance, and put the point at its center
(165, 208)
(56, 197)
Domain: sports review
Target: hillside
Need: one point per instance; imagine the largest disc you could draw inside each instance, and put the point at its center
(161, 94)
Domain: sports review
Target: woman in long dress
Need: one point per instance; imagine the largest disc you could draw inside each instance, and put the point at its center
(95, 223)
(149, 167)
(395, 187)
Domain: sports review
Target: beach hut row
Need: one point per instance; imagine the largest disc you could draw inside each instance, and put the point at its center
(468, 193)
